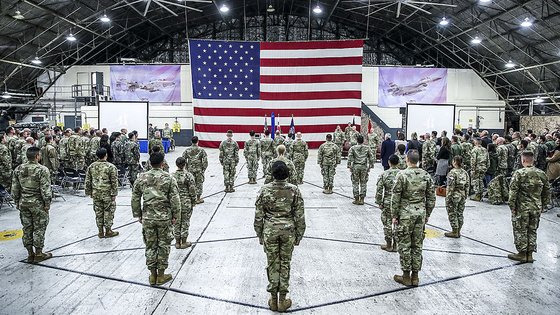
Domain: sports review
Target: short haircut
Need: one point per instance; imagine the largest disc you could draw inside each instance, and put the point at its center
(329, 137)
(252, 133)
(467, 137)
(508, 138)
(267, 132)
(527, 155)
(48, 138)
(394, 160)
(32, 153)
(77, 129)
(194, 140)
(524, 143)
(10, 129)
(101, 153)
(156, 158)
(360, 139)
(458, 160)
(157, 148)
(413, 156)
(180, 162)
(131, 135)
(434, 133)
(543, 138)
(280, 170)
(281, 149)
(455, 138)
(401, 147)
(230, 132)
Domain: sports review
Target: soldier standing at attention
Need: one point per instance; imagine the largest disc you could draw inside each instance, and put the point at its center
(117, 147)
(63, 148)
(49, 156)
(268, 151)
(76, 150)
(328, 158)
(373, 141)
(281, 156)
(132, 157)
(5, 164)
(31, 190)
(466, 148)
(151, 132)
(29, 142)
(252, 153)
(360, 161)
(428, 153)
(187, 195)
(299, 153)
(229, 157)
(456, 149)
(385, 184)
(155, 141)
(402, 157)
(102, 185)
(347, 132)
(278, 139)
(412, 203)
(479, 165)
(457, 192)
(85, 139)
(280, 225)
(529, 193)
(160, 209)
(93, 145)
(339, 137)
(197, 162)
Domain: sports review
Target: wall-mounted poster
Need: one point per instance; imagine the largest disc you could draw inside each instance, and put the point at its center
(399, 86)
(153, 83)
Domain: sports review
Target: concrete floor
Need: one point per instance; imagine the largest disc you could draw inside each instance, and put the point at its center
(338, 268)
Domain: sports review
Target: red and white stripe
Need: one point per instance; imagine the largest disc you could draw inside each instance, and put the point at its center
(319, 83)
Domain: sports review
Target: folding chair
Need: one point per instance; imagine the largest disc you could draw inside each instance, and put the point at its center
(122, 176)
(5, 197)
(73, 177)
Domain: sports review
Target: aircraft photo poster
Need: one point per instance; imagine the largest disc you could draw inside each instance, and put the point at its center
(399, 86)
(153, 83)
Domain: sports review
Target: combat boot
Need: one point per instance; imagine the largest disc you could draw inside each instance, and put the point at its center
(356, 200)
(231, 189)
(110, 233)
(414, 278)
(30, 254)
(521, 256)
(326, 190)
(40, 256)
(200, 200)
(389, 246)
(101, 234)
(162, 277)
(273, 302)
(153, 276)
(184, 243)
(454, 234)
(476, 197)
(177, 243)
(530, 257)
(284, 303)
(361, 201)
(404, 279)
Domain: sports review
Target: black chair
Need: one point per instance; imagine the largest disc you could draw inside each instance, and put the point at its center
(5, 197)
(122, 176)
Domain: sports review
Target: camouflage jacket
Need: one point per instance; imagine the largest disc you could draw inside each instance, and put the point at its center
(118, 151)
(229, 152)
(385, 183)
(63, 148)
(75, 147)
(22, 157)
(512, 155)
(267, 147)
(94, 146)
(16, 151)
(186, 186)
(413, 194)
(167, 133)
(131, 152)
(300, 151)
(31, 185)
(456, 150)
(101, 180)
(11, 145)
(529, 190)
(155, 142)
(86, 142)
(402, 161)
(252, 149)
(466, 148)
(160, 194)
(329, 154)
(502, 152)
(429, 150)
(278, 140)
(279, 208)
(292, 178)
(458, 183)
(338, 137)
(5, 162)
(197, 160)
(480, 161)
(347, 132)
(49, 158)
(360, 155)
(373, 140)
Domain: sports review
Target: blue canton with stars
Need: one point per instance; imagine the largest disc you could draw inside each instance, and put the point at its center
(225, 70)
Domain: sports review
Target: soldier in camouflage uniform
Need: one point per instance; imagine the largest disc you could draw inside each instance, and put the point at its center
(117, 148)
(529, 194)
(360, 161)
(456, 148)
(457, 193)
(280, 225)
(348, 131)
(31, 190)
(63, 148)
(11, 139)
(49, 156)
(229, 157)
(339, 137)
(268, 151)
(412, 203)
(151, 132)
(328, 158)
(197, 162)
(497, 188)
(160, 209)
(512, 153)
(428, 154)
(354, 136)
(16, 148)
(5, 164)
(132, 157)
(155, 141)
(76, 154)
(479, 165)
(29, 142)
(86, 147)
(167, 134)
(252, 153)
(289, 143)
(278, 139)
(402, 157)
(373, 142)
(41, 142)
(164, 164)
(466, 148)
(187, 194)
(94, 145)
(281, 156)
(385, 183)
(299, 154)
(102, 185)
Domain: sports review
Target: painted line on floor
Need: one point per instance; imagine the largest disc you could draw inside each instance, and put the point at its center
(549, 220)
(227, 240)
(341, 241)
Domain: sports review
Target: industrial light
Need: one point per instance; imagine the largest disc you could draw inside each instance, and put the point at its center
(36, 61)
(224, 8)
(485, 1)
(105, 19)
(526, 22)
(510, 64)
(71, 37)
(317, 9)
(270, 8)
(538, 100)
(443, 22)
(18, 15)
(476, 40)
(6, 95)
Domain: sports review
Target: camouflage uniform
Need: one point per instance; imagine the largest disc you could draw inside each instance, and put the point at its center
(466, 148)
(161, 204)
(354, 137)
(229, 157)
(118, 152)
(529, 193)
(289, 143)
(279, 224)
(268, 152)
(300, 152)
(328, 158)
(76, 154)
(402, 161)
(373, 142)
(22, 158)
(512, 154)
(188, 197)
(497, 188)
(153, 143)
(292, 178)
(252, 153)
(457, 193)
(279, 140)
(10, 144)
(132, 159)
(63, 151)
(360, 161)
(412, 203)
(197, 162)
(86, 149)
(428, 155)
(338, 138)
(31, 190)
(347, 133)
(456, 150)
(383, 194)
(167, 133)
(17, 151)
(479, 164)
(102, 185)
(49, 158)
(93, 147)
(5, 167)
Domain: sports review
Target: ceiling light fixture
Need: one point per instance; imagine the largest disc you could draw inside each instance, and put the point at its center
(71, 38)
(510, 64)
(443, 22)
(18, 15)
(485, 1)
(270, 9)
(224, 8)
(105, 19)
(476, 40)
(317, 9)
(6, 95)
(36, 61)
(538, 100)
(526, 22)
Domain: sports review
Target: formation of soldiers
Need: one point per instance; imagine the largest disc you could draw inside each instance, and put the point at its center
(163, 202)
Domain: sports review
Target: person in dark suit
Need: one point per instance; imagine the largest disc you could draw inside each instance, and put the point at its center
(387, 149)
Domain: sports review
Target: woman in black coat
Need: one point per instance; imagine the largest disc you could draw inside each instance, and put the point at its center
(104, 143)
(443, 161)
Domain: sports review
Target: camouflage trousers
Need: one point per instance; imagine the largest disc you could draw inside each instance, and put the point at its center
(428, 165)
(265, 161)
(498, 192)
(328, 172)
(229, 173)
(104, 212)
(252, 167)
(182, 224)
(157, 237)
(387, 221)
(34, 220)
(410, 237)
(199, 181)
(278, 246)
(77, 163)
(360, 176)
(477, 183)
(300, 168)
(6, 179)
(455, 207)
(132, 173)
(525, 225)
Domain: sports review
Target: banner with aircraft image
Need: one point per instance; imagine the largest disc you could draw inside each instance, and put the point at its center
(153, 83)
(399, 86)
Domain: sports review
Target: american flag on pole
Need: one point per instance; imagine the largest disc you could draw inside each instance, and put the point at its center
(235, 84)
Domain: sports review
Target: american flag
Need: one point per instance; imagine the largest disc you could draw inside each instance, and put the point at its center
(236, 84)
